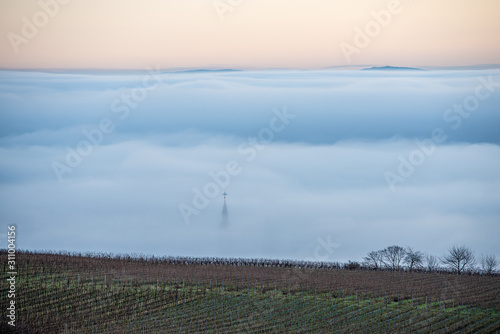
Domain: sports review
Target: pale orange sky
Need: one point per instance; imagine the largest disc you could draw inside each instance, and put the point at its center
(255, 34)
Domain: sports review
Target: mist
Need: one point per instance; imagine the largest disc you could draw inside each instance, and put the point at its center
(137, 163)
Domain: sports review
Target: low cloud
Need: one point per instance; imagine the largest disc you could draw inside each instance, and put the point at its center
(333, 105)
(323, 175)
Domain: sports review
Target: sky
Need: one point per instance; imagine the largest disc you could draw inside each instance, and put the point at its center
(247, 34)
(318, 165)
(109, 144)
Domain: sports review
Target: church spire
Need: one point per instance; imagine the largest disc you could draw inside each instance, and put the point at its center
(225, 218)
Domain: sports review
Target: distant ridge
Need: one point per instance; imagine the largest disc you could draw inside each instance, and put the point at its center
(391, 68)
(205, 70)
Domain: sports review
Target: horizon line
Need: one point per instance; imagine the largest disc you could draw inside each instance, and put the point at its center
(236, 69)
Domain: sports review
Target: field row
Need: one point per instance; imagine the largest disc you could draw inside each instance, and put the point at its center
(96, 307)
(99, 295)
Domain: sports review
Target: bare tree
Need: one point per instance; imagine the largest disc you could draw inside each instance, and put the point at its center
(413, 258)
(459, 259)
(432, 262)
(489, 263)
(374, 258)
(392, 257)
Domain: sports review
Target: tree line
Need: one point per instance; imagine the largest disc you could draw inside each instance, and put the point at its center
(458, 259)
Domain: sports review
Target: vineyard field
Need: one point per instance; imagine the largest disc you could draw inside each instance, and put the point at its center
(59, 293)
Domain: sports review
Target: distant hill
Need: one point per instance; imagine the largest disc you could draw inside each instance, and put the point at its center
(208, 71)
(391, 68)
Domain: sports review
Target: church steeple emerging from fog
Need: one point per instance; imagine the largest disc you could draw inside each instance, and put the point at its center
(225, 218)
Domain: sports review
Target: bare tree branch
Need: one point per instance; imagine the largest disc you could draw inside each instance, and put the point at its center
(374, 259)
(392, 257)
(489, 263)
(413, 258)
(459, 259)
(432, 262)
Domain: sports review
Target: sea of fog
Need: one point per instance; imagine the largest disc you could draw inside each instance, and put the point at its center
(317, 165)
